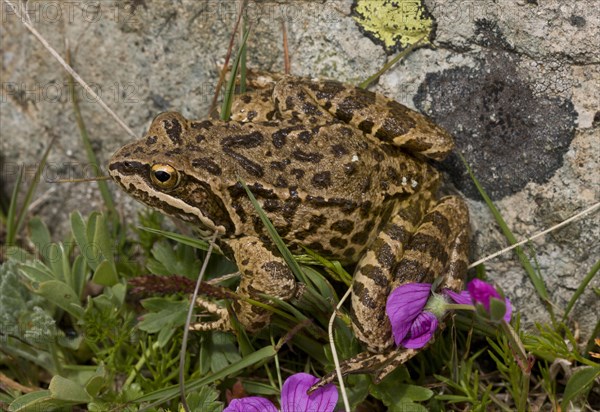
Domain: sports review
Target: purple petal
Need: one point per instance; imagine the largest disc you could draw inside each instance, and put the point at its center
(482, 292)
(403, 306)
(250, 404)
(462, 298)
(294, 397)
(400, 330)
(421, 331)
(508, 313)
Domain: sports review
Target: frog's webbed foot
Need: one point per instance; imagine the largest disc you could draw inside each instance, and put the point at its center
(377, 364)
(220, 318)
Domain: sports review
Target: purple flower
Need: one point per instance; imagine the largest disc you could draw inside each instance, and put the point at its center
(412, 327)
(293, 398)
(481, 292)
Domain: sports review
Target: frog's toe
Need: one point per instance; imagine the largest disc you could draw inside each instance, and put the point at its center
(377, 364)
(219, 318)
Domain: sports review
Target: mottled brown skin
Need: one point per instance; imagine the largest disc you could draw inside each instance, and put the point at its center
(336, 168)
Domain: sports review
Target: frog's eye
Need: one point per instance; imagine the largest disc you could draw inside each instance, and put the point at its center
(164, 176)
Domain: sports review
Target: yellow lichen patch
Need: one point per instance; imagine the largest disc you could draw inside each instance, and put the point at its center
(395, 23)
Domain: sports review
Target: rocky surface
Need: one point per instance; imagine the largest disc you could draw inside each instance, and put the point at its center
(517, 83)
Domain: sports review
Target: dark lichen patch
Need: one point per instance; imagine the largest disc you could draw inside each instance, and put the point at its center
(509, 135)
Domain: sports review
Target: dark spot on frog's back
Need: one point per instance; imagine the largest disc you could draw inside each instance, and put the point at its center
(150, 140)
(326, 89)
(173, 129)
(280, 165)
(207, 164)
(245, 98)
(311, 157)
(339, 150)
(298, 173)
(279, 138)
(289, 103)
(272, 205)
(321, 180)
(311, 109)
(366, 126)
(394, 125)
(338, 242)
(305, 136)
(343, 226)
(281, 182)
(205, 124)
(317, 221)
(361, 237)
(247, 141)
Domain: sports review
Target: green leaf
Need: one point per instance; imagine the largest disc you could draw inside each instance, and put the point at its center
(391, 392)
(96, 382)
(105, 274)
(67, 390)
(79, 274)
(60, 294)
(164, 314)
(32, 402)
(40, 235)
(204, 399)
(36, 271)
(102, 240)
(497, 309)
(180, 260)
(17, 254)
(55, 261)
(579, 383)
(220, 350)
(259, 388)
(79, 232)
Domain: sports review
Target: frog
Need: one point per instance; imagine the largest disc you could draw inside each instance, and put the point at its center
(340, 170)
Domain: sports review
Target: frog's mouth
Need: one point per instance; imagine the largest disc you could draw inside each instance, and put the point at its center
(191, 201)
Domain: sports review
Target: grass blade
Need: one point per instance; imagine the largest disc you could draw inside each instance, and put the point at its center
(228, 98)
(584, 283)
(186, 240)
(536, 280)
(285, 252)
(11, 223)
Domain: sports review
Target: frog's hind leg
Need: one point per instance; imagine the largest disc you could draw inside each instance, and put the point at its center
(373, 363)
(409, 249)
(373, 113)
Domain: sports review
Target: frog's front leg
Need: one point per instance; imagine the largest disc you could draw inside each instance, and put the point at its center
(261, 273)
(410, 249)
